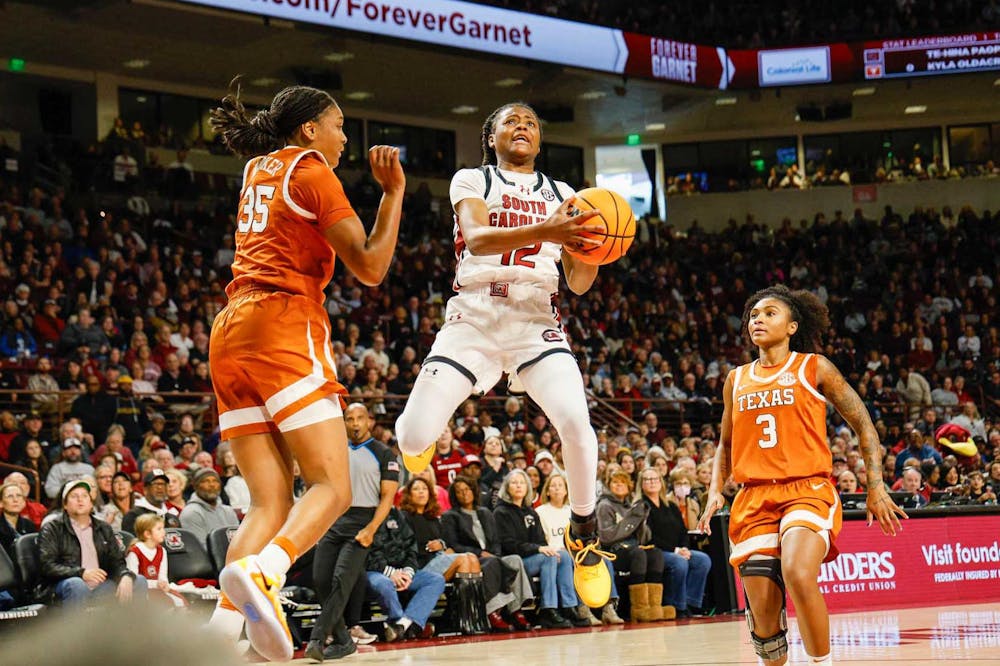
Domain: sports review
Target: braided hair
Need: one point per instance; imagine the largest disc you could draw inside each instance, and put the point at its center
(270, 128)
(810, 313)
(489, 154)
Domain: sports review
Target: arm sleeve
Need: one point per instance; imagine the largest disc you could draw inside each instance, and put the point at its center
(449, 532)
(467, 184)
(48, 554)
(314, 187)
(388, 465)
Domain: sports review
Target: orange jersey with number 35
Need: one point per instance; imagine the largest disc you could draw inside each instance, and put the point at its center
(289, 198)
(779, 422)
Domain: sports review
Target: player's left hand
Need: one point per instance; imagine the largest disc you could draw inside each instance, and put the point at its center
(882, 508)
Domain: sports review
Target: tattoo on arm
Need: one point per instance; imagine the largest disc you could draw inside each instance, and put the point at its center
(849, 405)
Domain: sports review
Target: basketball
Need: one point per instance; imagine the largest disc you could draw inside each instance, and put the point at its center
(619, 222)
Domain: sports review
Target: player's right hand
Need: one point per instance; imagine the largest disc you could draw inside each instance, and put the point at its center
(568, 226)
(387, 169)
(714, 502)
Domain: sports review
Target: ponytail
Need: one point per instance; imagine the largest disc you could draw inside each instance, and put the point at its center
(270, 128)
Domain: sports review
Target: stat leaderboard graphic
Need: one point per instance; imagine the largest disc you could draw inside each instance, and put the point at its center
(919, 56)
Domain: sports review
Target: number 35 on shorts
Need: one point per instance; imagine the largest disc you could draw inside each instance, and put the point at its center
(769, 429)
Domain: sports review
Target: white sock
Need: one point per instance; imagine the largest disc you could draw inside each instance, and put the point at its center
(826, 660)
(226, 622)
(404, 622)
(274, 560)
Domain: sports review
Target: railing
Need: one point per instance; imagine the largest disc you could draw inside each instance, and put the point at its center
(611, 414)
(9, 468)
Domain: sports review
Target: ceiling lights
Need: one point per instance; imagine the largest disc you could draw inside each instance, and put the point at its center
(464, 109)
(359, 95)
(725, 101)
(338, 56)
(916, 108)
(864, 92)
(509, 82)
(136, 63)
(656, 127)
(264, 82)
(593, 94)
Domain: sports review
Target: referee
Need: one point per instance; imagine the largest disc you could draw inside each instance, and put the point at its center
(339, 563)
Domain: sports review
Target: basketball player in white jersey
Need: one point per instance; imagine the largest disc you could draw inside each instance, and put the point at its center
(511, 223)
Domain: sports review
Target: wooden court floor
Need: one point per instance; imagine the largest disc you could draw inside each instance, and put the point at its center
(966, 635)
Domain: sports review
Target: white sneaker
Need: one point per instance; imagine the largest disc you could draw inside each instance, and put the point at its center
(360, 636)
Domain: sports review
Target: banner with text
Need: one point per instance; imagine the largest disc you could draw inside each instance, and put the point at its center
(933, 561)
(455, 24)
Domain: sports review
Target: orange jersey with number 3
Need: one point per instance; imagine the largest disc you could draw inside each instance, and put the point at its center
(779, 422)
(289, 198)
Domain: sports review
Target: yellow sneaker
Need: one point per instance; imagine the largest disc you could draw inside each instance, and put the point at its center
(255, 594)
(591, 575)
(418, 463)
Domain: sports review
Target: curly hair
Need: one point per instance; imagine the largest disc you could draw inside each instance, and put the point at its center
(806, 308)
(431, 510)
(489, 154)
(270, 128)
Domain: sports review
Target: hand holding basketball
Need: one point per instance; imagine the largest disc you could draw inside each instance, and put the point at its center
(570, 228)
(617, 234)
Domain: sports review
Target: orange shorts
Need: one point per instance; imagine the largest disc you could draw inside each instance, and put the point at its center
(271, 358)
(762, 513)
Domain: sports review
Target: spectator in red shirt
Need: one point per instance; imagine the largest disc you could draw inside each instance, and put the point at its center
(448, 459)
(48, 326)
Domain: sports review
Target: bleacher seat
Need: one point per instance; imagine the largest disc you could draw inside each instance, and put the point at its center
(29, 565)
(10, 582)
(218, 544)
(124, 538)
(187, 557)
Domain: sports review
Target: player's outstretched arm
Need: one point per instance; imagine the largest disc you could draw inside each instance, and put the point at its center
(847, 402)
(369, 257)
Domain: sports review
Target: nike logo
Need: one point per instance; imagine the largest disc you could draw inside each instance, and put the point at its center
(816, 487)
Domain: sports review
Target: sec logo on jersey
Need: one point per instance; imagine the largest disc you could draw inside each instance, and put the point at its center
(786, 379)
(548, 195)
(551, 335)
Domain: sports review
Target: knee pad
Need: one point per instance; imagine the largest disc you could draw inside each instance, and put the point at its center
(772, 648)
(769, 568)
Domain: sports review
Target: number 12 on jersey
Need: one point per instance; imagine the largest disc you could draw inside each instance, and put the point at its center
(519, 257)
(769, 430)
(255, 209)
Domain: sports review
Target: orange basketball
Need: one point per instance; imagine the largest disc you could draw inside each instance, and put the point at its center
(619, 224)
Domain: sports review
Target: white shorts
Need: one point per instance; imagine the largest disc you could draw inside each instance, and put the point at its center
(496, 328)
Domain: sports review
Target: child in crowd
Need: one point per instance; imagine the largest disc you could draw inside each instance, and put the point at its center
(146, 556)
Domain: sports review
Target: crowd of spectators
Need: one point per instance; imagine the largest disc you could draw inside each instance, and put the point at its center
(105, 331)
(756, 23)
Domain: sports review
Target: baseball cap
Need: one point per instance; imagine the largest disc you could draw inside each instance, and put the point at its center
(71, 441)
(544, 455)
(657, 378)
(51, 301)
(122, 475)
(124, 379)
(839, 459)
(69, 487)
(32, 415)
(158, 444)
(518, 454)
(156, 475)
(471, 459)
(156, 416)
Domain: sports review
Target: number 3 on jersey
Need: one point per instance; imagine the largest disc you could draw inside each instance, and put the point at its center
(770, 431)
(255, 209)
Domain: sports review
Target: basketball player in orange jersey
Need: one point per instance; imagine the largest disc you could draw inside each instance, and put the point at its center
(271, 360)
(785, 519)
(511, 224)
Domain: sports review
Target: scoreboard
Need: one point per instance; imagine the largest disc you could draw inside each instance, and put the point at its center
(923, 56)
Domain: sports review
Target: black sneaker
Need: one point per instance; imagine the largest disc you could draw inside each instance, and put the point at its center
(339, 650)
(314, 651)
(549, 618)
(394, 632)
